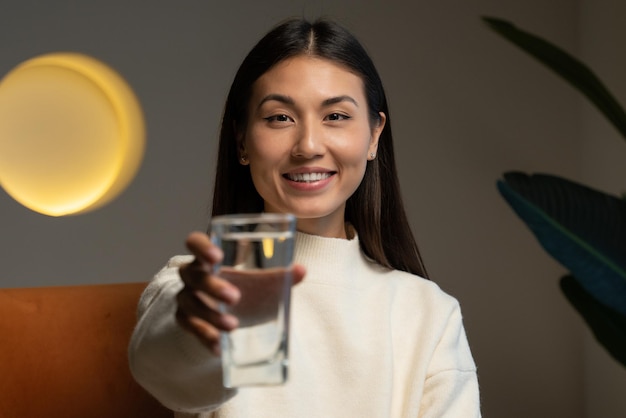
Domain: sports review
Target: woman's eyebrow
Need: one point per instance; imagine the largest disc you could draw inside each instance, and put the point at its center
(288, 100)
(339, 99)
(277, 97)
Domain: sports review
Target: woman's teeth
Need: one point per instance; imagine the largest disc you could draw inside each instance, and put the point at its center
(307, 177)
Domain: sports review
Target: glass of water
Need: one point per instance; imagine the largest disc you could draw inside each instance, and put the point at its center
(258, 254)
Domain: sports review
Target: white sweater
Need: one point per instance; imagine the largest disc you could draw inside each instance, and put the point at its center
(364, 342)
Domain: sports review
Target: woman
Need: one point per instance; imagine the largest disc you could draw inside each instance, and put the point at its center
(306, 130)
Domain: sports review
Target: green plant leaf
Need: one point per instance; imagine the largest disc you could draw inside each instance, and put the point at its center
(568, 67)
(583, 229)
(608, 326)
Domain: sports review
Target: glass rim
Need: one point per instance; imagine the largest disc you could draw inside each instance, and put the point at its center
(246, 218)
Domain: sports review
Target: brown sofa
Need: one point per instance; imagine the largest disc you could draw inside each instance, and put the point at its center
(63, 353)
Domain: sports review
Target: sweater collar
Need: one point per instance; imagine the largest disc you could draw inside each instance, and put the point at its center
(315, 248)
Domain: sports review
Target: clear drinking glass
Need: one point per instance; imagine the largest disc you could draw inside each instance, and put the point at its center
(258, 254)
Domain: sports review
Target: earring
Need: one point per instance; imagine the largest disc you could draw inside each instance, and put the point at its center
(244, 159)
(372, 155)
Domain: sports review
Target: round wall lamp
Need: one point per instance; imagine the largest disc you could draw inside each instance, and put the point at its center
(72, 134)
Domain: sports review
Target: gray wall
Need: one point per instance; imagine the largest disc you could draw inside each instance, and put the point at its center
(466, 106)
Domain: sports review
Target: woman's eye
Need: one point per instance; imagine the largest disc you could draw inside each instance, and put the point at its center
(278, 118)
(337, 116)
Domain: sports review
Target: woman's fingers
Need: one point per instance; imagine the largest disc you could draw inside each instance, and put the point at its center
(202, 248)
(199, 301)
(198, 276)
(198, 313)
(199, 305)
(205, 332)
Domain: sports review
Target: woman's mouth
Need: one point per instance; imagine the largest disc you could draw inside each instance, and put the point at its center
(307, 177)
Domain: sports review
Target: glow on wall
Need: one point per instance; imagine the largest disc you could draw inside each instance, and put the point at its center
(72, 134)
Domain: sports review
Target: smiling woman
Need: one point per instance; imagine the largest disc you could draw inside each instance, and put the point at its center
(71, 134)
(306, 131)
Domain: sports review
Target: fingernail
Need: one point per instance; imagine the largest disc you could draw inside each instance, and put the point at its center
(230, 295)
(214, 253)
(229, 322)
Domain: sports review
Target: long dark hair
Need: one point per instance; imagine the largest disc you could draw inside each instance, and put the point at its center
(375, 209)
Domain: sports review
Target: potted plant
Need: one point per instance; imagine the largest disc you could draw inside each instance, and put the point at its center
(582, 228)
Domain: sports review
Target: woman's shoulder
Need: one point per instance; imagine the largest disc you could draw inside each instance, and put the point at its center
(412, 288)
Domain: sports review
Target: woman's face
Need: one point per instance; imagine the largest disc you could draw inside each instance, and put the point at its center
(307, 141)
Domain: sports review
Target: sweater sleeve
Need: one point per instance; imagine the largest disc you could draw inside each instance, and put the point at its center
(169, 362)
(451, 387)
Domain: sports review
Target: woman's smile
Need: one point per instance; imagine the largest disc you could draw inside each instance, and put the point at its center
(309, 179)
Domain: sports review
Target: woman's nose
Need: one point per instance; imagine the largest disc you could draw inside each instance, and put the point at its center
(309, 141)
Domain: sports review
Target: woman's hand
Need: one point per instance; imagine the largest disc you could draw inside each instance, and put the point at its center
(198, 301)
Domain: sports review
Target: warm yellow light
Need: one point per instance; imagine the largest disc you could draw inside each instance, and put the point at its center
(268, 247)
(72, 134)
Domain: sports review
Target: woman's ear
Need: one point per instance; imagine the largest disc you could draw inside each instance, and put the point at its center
(376, 132)
(241, 147)
(243, 157)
